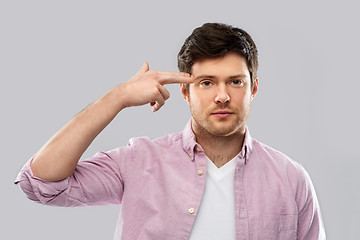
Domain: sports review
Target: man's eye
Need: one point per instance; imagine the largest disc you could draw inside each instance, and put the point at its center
(206, 83)
(237, 82)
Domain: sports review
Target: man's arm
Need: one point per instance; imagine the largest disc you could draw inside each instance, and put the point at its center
(310, 224)
(58, 158)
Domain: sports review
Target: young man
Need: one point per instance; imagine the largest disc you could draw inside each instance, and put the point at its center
(211, 181)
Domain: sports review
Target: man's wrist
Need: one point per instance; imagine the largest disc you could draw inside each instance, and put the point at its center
(117, 98)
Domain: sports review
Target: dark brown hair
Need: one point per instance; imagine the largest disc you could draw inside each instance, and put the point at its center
(214, 40)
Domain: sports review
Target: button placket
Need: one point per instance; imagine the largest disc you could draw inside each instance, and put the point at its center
(200, 170)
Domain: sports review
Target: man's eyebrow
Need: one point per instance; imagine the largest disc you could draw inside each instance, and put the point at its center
(204, 76)
(212, 77)
(238, 76)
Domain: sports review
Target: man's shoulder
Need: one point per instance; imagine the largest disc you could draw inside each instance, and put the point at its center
(267, 150)
(272, 156)
(164, 141)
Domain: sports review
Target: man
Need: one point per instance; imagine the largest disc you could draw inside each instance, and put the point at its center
(211, 181)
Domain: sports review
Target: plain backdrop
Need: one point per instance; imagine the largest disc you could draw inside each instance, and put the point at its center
(56, 57)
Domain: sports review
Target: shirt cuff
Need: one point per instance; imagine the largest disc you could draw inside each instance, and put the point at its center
(37, 189)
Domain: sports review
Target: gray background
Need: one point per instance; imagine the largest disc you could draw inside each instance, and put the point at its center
(59, 56)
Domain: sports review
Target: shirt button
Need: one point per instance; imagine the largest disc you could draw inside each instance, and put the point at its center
(190, 154)
(191, 210)
(198, 149)
(200, 171)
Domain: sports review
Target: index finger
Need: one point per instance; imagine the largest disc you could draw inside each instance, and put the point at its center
(167, 77)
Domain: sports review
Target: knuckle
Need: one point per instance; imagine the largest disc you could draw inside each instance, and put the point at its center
(153, 74)
(155, 91)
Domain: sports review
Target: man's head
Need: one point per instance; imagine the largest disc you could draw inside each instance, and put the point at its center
(223, 61)
(215, 40)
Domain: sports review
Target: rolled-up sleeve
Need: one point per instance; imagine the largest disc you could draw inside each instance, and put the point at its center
(98, 180)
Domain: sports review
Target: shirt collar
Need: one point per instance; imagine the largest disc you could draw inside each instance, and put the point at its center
(190, 145)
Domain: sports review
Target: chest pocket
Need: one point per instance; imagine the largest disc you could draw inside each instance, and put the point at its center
(279, 227)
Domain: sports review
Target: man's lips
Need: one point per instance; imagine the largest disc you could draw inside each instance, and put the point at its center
(222, 113)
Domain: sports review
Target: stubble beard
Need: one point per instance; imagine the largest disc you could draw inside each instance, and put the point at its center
(208, 125)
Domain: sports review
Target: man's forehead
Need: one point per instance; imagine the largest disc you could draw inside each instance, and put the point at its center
(231, 65)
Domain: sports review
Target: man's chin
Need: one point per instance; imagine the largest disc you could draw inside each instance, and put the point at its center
(218, 128)
(223, 131)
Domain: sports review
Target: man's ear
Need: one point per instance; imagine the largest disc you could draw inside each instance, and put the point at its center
(184, 92)
(255, 88)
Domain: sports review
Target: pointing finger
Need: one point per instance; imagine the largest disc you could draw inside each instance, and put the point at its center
(180, 77)
(173, 77)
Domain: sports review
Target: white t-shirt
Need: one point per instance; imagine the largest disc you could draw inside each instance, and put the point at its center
(216, 216)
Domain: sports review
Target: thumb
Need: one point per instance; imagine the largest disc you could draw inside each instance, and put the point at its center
(144, 68)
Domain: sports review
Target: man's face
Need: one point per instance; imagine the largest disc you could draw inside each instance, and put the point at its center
(220, 97)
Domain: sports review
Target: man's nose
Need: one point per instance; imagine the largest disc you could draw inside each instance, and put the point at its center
(222, 95)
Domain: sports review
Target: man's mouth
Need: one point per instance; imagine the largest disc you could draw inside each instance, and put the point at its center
(222, 114)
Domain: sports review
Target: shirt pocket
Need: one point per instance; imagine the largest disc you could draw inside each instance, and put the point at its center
(279, 227)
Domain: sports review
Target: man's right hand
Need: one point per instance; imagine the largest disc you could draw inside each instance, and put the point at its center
(58, 158)
(148, 87)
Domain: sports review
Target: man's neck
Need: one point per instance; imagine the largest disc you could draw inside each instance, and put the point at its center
(220, 149)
